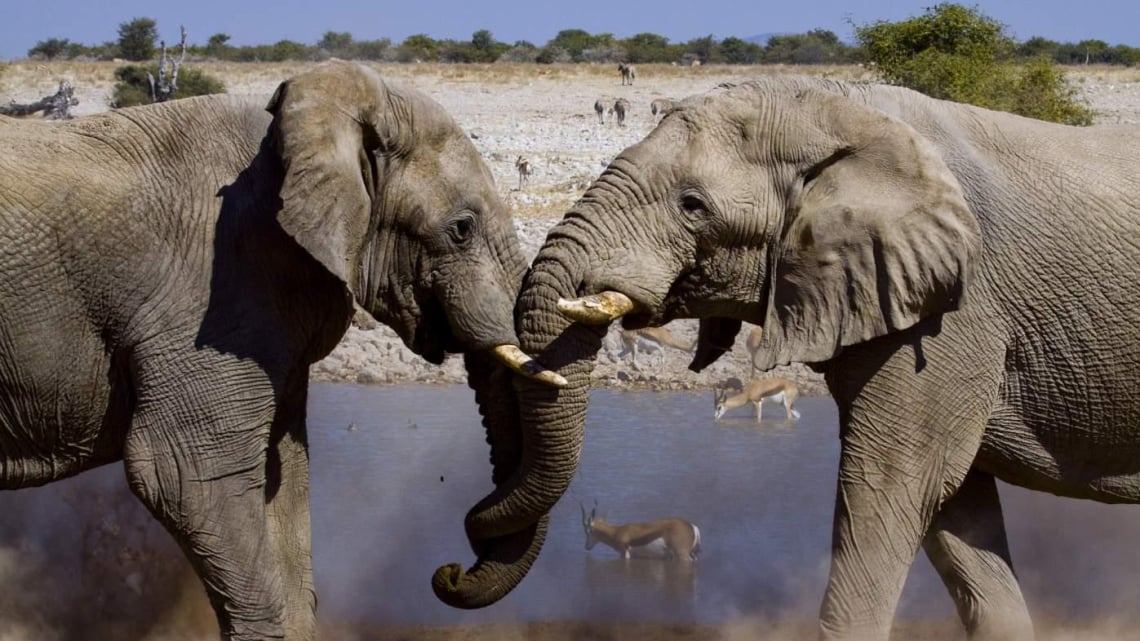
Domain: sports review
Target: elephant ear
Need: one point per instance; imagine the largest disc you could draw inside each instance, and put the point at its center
(878, 237)
(328, 122)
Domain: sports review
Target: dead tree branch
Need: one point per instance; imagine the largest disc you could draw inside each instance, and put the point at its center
(164, 89)
(55, 107)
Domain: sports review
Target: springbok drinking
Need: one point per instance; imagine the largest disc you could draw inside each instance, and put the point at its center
(666, 538)
(756, 391)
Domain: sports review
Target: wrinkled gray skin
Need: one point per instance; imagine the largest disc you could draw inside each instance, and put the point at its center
(170, 272)
(966, 280)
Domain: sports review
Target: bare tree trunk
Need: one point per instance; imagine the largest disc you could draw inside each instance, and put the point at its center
(164, 90)
(55, 107)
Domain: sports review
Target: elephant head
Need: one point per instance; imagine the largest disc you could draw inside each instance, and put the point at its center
(783, 203)
(385, 191)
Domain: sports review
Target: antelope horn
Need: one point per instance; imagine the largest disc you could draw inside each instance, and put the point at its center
(596, 309)
(514, 358)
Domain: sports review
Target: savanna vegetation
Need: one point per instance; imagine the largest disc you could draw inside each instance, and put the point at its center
(950, 51)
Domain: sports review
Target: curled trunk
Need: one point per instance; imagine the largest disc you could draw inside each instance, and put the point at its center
(535, 434)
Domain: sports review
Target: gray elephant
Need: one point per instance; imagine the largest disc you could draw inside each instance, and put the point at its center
(966, 280)
(170, 272)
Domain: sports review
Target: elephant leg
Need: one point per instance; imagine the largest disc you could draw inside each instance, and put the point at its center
(906, 447)
(759, 410)
(196, 457)
(967, 545)
(287, 505)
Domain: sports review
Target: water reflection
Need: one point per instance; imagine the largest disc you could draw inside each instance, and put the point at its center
(645, 586)
(395, 469)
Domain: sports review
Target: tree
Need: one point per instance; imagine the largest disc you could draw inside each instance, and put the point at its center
(648, 47)
(136, 39)
(485, 48)
(573, 42)
(736, 51)
(957, 53)
(216, 46)
(335, 43)
(703, 49)
(418, 47)
(50, 49)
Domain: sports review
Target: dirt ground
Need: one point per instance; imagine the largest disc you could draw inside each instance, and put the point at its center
(546, 113)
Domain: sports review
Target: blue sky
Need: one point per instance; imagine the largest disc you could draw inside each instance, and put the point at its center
(260, 22)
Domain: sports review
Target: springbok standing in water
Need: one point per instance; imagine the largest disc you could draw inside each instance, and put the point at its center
(667, 538)
(756, 391)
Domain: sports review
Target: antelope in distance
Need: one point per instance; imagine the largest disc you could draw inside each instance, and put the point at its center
(523, 165)
(651, 339)
(756, 391)
(627, 73)
(666, 538)
(753, 344)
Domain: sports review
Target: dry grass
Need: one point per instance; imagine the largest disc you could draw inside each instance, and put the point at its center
(236, 74)
(239, 73)
(1106, 74)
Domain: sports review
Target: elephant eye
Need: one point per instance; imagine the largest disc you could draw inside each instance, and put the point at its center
(461, 228)
(693, 205)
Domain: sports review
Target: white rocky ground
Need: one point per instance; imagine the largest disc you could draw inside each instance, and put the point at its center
(547, 115)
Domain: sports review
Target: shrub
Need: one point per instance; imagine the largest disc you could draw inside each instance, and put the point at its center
(133, 86)
(136, 39)
(955, 53)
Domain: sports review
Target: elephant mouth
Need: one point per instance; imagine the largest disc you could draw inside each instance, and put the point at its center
(433, 338)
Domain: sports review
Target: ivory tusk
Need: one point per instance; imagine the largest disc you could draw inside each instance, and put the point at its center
(517, 360)
(596, 309)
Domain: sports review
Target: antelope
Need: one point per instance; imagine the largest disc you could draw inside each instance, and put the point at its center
(753, 344)
(651, 339)
(600, 109)
(621, 106)
(627, 73)
(523, 165)
(756, 391)
(670, 538)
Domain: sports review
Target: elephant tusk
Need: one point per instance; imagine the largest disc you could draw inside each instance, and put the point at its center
(514, 358)
(596, 309)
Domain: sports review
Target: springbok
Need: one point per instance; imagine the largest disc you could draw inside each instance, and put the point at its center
(523, 165)
(756, 391)
(753, 344)
(669, 538)
(627, 73)
(651, 339)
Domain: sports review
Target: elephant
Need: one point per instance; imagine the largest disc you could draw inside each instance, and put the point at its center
(171, 271)
(966, 281)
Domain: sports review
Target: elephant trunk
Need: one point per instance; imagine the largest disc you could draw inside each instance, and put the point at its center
(552, 419)
(536, 455)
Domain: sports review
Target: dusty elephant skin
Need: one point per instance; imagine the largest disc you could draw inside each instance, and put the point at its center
(966, 280)
(170, 272)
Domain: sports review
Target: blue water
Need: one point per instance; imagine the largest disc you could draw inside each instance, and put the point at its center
(394, 470)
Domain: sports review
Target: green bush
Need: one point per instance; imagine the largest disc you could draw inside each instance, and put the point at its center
(133, 87)
(955, 53)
